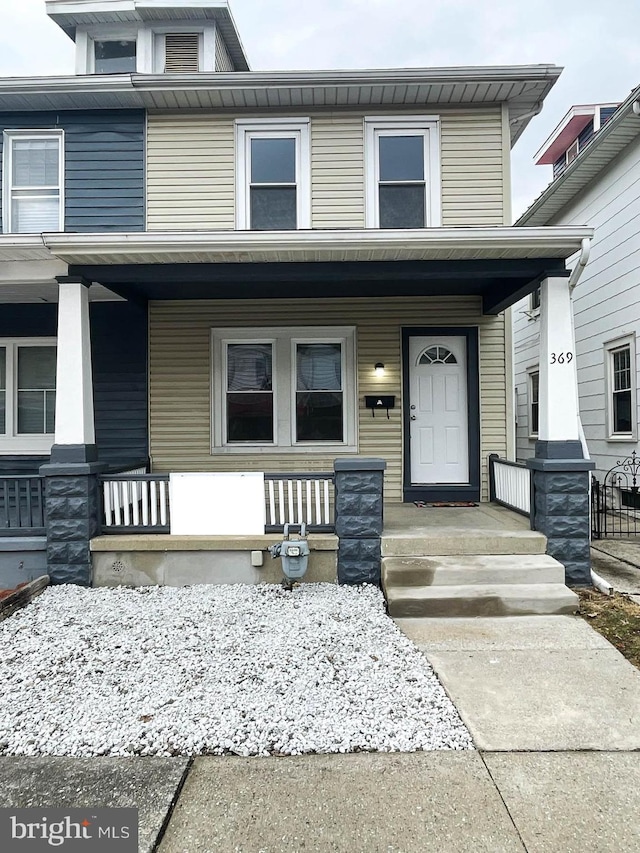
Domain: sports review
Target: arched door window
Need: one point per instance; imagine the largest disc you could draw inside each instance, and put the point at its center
(437, 355)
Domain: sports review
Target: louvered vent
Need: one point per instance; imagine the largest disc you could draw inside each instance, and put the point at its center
(181, 52)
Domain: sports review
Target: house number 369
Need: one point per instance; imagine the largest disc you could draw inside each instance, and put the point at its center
(561, 357)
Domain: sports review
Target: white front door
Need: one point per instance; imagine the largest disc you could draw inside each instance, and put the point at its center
(439, 443)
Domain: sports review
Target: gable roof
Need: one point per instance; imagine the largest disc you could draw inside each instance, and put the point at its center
(621, 129)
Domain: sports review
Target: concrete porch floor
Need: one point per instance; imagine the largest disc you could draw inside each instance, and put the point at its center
(408, 518)
(450, 531)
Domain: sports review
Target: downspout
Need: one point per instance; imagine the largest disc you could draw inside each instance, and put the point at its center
(531, 114)
(598, 582)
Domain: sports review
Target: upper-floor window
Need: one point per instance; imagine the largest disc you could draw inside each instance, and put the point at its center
(27, 393)
(115, 57)
(403, 172)
(32, 181)
(272, 175)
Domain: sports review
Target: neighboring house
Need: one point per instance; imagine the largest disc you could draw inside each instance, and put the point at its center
(596, 155)
(253, 259)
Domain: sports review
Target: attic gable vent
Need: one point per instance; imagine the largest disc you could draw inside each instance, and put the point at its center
(181, 52)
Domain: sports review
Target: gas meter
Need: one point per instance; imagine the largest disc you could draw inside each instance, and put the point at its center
(294, 554)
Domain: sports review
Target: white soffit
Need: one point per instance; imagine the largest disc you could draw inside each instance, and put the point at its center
(523, 88)
(296, 246)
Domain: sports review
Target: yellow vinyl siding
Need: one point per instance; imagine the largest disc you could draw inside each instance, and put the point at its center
(180, 377)
(472, 168)
(337, 171)
(190, 173)
(191, 170)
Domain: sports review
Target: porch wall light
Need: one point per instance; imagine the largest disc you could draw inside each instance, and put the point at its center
(379, 369)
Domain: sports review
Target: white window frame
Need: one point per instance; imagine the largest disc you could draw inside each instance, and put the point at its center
(297, 129)
(531, 372)
(7, 171)
(610, 348)
(206, 45)
(426, 126)
(284, 341)
(12, 441)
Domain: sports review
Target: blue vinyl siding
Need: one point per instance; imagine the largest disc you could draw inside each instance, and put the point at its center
(104, 165)
(585, 136)
(606, 113)
(119, 350)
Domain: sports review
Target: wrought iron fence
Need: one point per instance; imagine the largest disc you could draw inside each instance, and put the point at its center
(22, 511)
(615, 502)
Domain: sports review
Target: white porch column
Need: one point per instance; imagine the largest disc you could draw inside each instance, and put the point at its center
(559, 471)
(74, 380)
(558, 385)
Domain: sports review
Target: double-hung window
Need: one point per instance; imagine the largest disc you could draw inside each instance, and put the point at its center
(32, 180)
(272, 175)
(403, 172)
(534, 404)
(27, 394)
(621, 391)
(283, 388)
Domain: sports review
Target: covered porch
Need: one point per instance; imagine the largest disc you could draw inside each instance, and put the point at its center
(390, 287)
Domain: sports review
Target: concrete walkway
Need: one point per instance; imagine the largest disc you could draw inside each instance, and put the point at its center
(618, 562)
(553, 709)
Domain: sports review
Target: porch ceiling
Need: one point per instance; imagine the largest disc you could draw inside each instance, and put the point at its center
(498, 283)
(500, 265)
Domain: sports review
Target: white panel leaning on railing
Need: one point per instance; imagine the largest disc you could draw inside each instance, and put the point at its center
(512, 483)
(135, 502)
(295, 500)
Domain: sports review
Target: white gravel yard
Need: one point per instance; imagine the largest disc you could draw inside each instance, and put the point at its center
(251, 670)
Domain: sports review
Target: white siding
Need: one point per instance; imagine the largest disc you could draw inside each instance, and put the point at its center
(223, 60)
(606, 302)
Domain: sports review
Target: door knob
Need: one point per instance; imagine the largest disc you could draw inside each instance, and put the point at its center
(414, 417)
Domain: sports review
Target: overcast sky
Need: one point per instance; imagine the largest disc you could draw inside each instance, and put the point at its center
(595, 41)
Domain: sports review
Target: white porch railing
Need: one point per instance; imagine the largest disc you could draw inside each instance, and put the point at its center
(135, 502)
(299, 499)
(510, 484)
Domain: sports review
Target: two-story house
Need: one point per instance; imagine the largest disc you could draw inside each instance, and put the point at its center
(241, 271)
(595, 152)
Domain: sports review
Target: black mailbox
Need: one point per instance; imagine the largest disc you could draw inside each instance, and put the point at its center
(381, 402)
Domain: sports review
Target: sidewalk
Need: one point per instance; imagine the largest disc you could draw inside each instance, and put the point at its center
(618, 562)
(553, 709)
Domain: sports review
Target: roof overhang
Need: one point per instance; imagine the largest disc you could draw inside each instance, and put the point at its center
(71, 14)
(522, 88)
(569, 128)
(429, 244)
(621, 130)
(499, 265)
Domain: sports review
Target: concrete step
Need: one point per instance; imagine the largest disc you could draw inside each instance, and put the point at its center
(471, 570)
(451, 542)
(481, 600)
